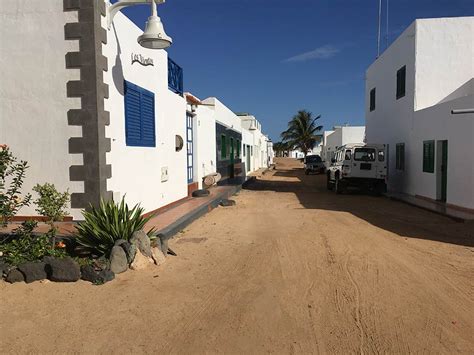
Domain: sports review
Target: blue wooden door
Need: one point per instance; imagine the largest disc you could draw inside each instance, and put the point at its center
(189, 147)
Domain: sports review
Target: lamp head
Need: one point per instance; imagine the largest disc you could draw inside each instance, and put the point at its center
(154, 36)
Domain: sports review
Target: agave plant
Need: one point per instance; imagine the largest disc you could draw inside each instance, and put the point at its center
(103, 226)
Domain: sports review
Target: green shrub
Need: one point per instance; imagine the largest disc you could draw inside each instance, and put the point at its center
(24, 246)
(103, 226)
(12, 175)
(51, 204)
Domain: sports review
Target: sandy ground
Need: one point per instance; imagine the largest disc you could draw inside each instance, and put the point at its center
(292, 268)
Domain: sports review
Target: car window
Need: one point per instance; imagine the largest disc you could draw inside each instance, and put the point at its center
(313, 159)
(364, 154)
(348, 155)
(381, 155)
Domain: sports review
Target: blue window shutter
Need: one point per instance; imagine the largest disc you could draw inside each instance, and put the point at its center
(148, 119)
(139, 116)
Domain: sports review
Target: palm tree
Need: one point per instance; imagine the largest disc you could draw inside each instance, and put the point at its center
(301, 132)
(280, 148)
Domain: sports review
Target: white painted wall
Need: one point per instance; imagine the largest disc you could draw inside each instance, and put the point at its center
(33, 102)
(325, 155)
(224, 115)
(270, 152)
(444, 54)
(353, 134)
(137, 171)
(339, 137)
(392, 120)
(437, 123)
(247, 140)
(205, 143)
(434, 51)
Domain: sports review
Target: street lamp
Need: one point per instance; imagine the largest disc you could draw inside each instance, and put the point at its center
(154, 36)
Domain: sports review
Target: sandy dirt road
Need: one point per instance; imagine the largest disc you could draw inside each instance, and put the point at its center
(292, 268)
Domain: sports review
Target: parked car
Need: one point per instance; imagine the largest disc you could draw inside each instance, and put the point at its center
(313, 164)
(358, 165)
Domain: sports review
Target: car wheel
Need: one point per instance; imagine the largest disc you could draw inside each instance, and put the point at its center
(380, 188)
(329, 183)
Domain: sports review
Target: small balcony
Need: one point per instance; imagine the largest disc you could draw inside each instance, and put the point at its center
(175, 77)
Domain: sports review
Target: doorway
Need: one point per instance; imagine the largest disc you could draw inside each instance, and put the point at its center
(189, 147)
(249, 169)
(442, 170)
(232, 152)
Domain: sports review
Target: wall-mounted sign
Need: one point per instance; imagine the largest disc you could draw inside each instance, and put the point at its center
(138, 58)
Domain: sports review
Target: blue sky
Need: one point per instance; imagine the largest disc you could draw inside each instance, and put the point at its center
(274, 57)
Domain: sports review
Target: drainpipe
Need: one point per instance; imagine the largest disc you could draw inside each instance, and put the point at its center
(464, 111)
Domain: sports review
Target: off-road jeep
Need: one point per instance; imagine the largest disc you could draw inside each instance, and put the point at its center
(358, 165)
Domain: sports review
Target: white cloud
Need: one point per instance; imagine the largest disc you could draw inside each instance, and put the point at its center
(324, 52)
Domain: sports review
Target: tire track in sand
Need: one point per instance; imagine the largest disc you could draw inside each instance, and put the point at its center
(357, 315)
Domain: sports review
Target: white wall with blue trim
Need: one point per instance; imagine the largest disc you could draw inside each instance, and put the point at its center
(139, 165)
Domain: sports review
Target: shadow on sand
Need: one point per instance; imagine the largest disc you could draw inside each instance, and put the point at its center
(397, 217)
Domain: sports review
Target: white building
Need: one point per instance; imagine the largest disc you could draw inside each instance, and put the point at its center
(93, 112)
(87, 107)
(410, 92)
(339, 136)
(261, 152)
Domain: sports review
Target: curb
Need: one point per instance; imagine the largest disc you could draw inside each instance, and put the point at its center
(456, 219)
(171, 230)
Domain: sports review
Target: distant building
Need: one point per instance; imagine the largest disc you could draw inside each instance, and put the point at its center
(410, 92)
(256, 145)
(339, 136)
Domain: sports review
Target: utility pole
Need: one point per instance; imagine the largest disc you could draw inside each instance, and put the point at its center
(386, 31)
(378, 30)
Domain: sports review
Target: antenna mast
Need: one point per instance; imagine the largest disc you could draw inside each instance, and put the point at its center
(386, 34)
(378, 30)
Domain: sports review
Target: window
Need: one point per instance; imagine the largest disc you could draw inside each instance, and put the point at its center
(313, 159)
(401, 82)
(348, 155)
(139, 116)
(232, 148)
(364, 154)
(223, 147)
(400, 156)
(244, 149)
(237, 150)
(428, 156)
(381, 155)
(372, 99)
(179, 143)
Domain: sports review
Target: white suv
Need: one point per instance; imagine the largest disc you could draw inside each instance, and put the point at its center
(358, 165)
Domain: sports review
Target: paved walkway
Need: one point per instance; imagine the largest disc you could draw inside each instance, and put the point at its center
(433, 206)
(168, 222)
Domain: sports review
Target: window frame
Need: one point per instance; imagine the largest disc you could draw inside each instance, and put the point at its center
(429, 156)
(401, 82)
(372, 99)
(144, 95)
(400, 156)
(366, 150)
(223, 146)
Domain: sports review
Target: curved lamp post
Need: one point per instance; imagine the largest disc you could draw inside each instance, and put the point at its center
(154, 36)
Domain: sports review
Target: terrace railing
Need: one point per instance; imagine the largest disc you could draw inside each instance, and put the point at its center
(175, 77)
